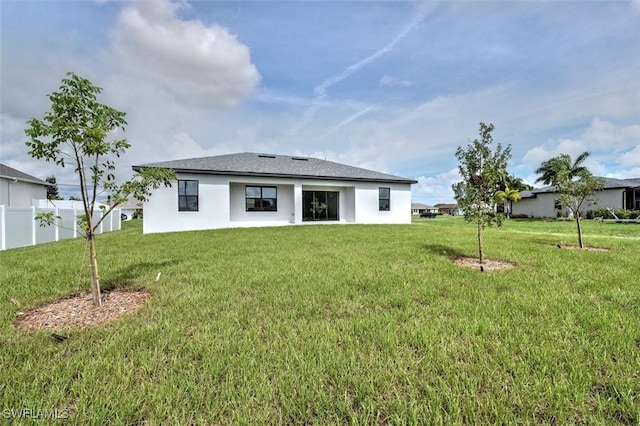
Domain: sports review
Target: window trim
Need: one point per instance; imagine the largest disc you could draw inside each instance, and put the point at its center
(261, 198)
(380, 199)
(186, 196)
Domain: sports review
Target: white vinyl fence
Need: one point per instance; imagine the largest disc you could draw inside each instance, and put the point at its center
(18, 227)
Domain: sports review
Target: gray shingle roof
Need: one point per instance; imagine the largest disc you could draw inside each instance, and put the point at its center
(11, 173)
(270, 165)
(609, 183)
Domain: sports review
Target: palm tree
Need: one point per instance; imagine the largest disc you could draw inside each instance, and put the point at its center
(573, 182)
(561, 169)
(518, 184)
(508, 196)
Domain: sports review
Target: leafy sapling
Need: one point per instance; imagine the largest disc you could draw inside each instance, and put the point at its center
(77, 131)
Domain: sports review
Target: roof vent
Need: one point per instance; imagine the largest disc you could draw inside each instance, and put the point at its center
(266, 156)
(300, 158)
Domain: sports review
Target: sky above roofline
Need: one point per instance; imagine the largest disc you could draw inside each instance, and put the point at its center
(392, 86)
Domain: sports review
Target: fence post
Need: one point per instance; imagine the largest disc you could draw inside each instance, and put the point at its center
(3, 236)
(75, 223)
(33, 226)
(57, 222)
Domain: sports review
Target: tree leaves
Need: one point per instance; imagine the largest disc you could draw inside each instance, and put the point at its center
(482, 171)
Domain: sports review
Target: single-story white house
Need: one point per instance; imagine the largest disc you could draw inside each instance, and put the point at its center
(616, 194)
(418, 208)
(249, 190)
(19, 189)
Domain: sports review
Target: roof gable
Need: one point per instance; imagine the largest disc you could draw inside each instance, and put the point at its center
(254, 164)
(11, 173)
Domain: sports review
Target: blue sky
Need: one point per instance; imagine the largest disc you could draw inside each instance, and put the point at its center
(394, 86)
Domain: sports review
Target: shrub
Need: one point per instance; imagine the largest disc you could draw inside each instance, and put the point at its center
(620, 213)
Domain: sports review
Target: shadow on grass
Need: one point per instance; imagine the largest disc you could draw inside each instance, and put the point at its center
(443, 250)
(130, 273)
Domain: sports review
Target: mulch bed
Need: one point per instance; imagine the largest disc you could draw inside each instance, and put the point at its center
(571, 247)
(489, 265)
(78, 312)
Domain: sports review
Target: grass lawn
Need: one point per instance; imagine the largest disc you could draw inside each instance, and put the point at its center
(336, 324)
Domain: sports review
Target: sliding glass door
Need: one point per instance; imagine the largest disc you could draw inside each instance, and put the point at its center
(320, 205)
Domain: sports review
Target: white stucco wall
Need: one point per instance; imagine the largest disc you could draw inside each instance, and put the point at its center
(367, 203)
(609, 198)
(222, 203)
(543, 204)
(161, 210)
(19, 193)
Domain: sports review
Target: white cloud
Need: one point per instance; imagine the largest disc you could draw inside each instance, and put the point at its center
(203, 63)
(436, 188)
(605, 135)
(633, 173)
(601, 138)
(538, 154)
(631, 158)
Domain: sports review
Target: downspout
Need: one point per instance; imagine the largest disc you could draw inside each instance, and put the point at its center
(9, 182)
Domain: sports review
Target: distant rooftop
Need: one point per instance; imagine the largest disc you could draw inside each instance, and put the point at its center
(609, 183)
(271, 165)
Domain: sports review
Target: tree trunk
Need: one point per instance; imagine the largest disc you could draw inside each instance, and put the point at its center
(93, 270)
(481, 255)
(580, 243)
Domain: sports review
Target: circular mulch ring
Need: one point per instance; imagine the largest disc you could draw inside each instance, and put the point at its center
(571, 247)
(489, 265)
(78, 311)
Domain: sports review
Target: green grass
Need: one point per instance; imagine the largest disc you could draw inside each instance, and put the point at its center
(337, 324)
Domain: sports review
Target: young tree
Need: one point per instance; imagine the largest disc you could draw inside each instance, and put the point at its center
(482, 170)
(52, 190)
(574, 183)
(76, 130)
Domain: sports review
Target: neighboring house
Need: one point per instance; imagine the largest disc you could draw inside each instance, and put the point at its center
(451, 209)
(249, 189)
(129, 208)
(616, 193)
(18, 189)
(417, 208)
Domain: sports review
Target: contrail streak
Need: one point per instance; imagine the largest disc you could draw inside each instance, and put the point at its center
(321, 89)
(350, 119)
